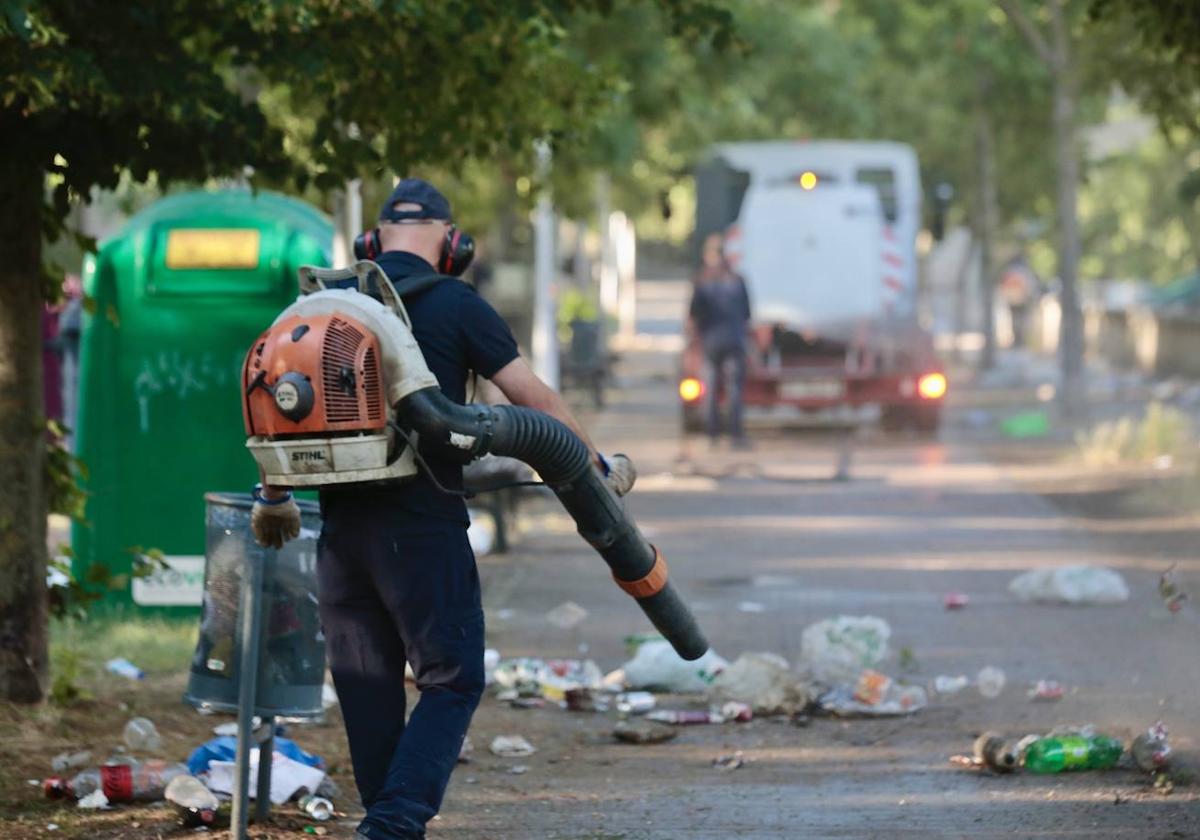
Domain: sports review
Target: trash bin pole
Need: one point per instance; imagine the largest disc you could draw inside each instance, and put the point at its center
(251, 633)
(266, 755)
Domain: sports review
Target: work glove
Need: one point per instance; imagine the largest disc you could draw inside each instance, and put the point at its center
(619, 473)
(274, 522)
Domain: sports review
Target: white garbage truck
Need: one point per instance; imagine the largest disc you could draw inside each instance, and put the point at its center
(824, 234)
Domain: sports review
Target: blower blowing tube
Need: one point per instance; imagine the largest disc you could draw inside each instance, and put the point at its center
(564, 463)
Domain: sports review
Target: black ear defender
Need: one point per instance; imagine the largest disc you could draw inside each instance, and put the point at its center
(458, 249)
(367, 245)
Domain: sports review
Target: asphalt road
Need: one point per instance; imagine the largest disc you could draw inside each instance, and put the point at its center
(766, 542)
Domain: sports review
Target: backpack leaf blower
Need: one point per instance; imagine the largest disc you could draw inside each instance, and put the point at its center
(336, 390)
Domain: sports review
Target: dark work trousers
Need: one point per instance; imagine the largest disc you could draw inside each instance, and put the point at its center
(729, 363)
(395, 588)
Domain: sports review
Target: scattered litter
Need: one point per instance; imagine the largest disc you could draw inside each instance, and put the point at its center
(52, 826)
(837, 649)
(94, 800)
(992, 751)
(318, 830)
(684, 717)
(751, 607)
(141, 735)
(732, 761)
(656, 665)
(944, 684)
(1152, 749)
(224, 748)
(566, 615)
(1173, 597)
(956, 600)
(548, 678)
(328, 788)
(511, 746)
(1079, 584)
(642, 732)
(287, 776)
(491, 658)
(1045, 392)
(636, 702)
(614, 680)
(329, 697)
(124, 668)
(1054, 755)
(990, 681)
(873, 694)
(737, 712)
(764, 682)
(519, 769)
(465, 751)
(69, 761)
(1047, 690)
(317, 807)
(586, 700)
(197, 805)
(136, 781)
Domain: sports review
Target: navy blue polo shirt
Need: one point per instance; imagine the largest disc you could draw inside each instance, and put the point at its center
(458, 332)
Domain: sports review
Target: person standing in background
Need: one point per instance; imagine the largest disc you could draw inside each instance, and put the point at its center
(719, 314)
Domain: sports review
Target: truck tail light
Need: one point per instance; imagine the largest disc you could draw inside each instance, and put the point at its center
(691, 389)
(932, 386)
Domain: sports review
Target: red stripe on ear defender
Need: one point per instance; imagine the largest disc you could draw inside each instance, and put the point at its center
(452, 237)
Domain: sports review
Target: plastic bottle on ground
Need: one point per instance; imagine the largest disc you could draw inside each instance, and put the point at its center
(1054, 755)
(990, 681)
(141, 781)
(124, 668)
(141, 735)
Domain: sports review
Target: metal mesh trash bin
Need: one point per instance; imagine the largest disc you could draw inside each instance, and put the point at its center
(291, 668)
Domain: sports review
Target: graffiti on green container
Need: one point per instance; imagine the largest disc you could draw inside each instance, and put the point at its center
(176, 375)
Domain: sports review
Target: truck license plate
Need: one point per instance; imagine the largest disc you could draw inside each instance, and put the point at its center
(812, 389)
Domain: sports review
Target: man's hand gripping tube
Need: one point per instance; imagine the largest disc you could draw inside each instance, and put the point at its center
(563, 462)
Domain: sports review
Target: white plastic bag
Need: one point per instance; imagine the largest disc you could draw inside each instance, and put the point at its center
(764, 682)
(837, 649)
(1079, 584)
(656, 666)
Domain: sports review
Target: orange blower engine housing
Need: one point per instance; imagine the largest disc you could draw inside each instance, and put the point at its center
(313, 376)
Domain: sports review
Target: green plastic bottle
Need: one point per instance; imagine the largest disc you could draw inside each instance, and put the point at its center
(1054, 755)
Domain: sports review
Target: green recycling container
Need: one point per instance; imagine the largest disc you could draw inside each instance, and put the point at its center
(177, 298)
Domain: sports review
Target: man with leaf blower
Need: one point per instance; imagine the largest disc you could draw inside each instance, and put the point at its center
(396, 576)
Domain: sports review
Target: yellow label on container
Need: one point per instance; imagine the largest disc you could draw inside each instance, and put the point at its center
(213, 248)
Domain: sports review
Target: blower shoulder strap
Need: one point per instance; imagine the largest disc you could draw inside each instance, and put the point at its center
(406, 286)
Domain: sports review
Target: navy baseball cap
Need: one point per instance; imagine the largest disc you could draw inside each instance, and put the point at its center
(415, 191)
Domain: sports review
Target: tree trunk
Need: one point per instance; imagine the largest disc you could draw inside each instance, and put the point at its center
(23, 655)
(985, 161)
(1066, 158)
